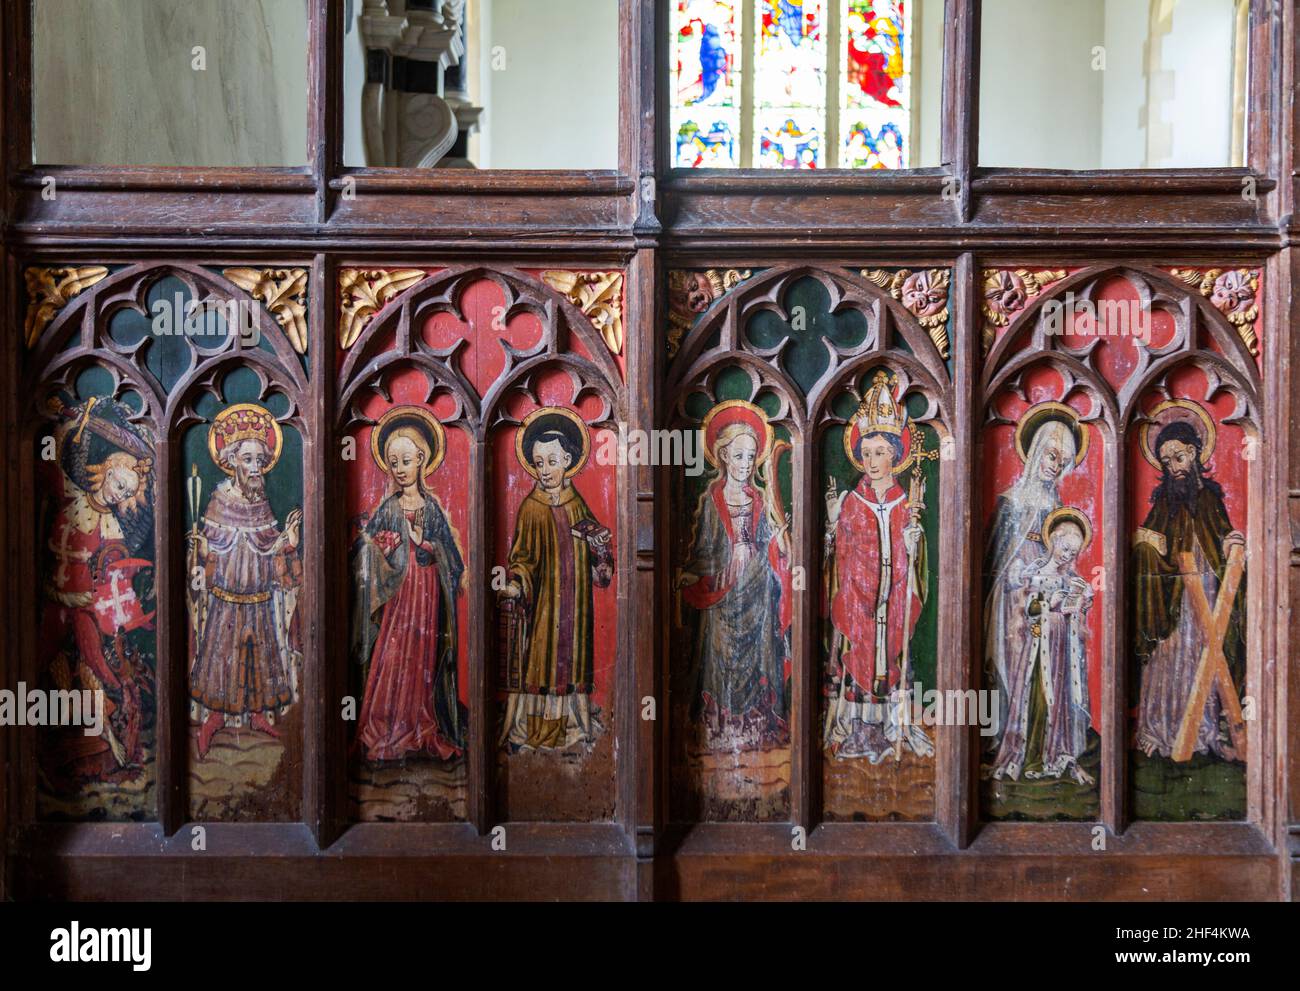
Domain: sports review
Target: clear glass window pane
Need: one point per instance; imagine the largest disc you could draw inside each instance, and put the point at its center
(169, 82)
(1113, 84)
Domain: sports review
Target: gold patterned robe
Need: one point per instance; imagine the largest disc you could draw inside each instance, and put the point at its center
(549, 700)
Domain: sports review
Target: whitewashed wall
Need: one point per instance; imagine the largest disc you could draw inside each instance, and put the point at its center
(114, 85)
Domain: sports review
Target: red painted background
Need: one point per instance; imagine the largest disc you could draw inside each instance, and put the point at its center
(367, 485)
(482, 360)
(597, 484)
(1228, 464)
(1082, 488)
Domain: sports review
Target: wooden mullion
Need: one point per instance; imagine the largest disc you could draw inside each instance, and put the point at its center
(15, 125)
(642, 587)
(639, 602)
(324, 634)
(1282, 390)
(9, 779)
(172, 667)
(957, 758)
(1115, 653)
(1275, 738)
(16, 86)
(1266, 108)
(805, 741)
(959, 137)
(481, 771)
(325, 29)
(633, 83)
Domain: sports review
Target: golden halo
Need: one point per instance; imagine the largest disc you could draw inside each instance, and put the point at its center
(1040, 413)
(226, 414)
(1057, 516)
(738, 411)
(912, 442)
(437, 436)
(1195, 413)
(546, 412)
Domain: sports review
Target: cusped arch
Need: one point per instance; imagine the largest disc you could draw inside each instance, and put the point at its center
(442, 291)
(887, 320)
(90, 313)
(1076, 373)
(763, 377)
(523, 380)
(920, 382)
(1008, 351)
(210, 378)
(1221, 376)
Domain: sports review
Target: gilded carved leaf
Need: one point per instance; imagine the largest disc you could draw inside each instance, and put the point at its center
(284, 291)
(599, 295)
(364, 292)
(50, 289)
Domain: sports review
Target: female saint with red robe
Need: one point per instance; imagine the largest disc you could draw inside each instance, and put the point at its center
(407, 572)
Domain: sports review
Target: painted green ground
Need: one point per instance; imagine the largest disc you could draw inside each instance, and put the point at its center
(1047, 798)
(1200, 789)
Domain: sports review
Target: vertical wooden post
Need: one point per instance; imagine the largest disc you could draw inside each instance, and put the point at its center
(324, 560)
(959, 137)
(1116, 656)
(172, 666)
(960, 598)
(640, 607)
(324, 98)
(481, 781)
(8, 389)
(805, 742)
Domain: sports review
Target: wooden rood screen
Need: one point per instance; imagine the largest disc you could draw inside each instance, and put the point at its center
(797, 508)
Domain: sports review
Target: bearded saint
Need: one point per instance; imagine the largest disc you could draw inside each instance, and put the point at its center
(1016, 542)
(878, 578)
(1187, 515)
(560, 552)
(246, 645)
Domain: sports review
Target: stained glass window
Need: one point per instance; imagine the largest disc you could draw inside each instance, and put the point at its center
(792, 84)
(706, 83)
(875, 89)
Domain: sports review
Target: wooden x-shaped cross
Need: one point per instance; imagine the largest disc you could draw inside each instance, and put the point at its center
(1213, 667)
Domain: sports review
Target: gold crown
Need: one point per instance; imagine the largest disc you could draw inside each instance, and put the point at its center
(242, 425)
(879, 411)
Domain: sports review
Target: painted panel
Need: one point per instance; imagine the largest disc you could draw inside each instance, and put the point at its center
(879, 606)
(554, 541)
(1043, 578)
(244, 506)
(98, 641)
(1189, 509)
(408, 517)
(733, 599)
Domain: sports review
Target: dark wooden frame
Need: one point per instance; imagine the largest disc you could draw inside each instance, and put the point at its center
(646, 220)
